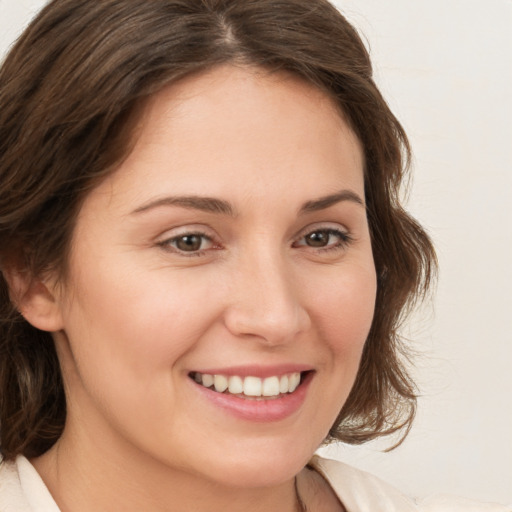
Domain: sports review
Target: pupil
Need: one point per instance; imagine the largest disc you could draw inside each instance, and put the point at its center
(189, 243)
(318, 239)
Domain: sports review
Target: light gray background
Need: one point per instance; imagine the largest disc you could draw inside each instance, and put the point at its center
(445, 67)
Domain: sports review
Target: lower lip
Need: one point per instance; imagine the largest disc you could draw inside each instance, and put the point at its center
(264, 410)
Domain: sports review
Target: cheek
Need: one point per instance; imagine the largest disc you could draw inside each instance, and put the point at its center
(131, 325)
(345, 310)
(127, 335)
(343, 317)
(346, 317)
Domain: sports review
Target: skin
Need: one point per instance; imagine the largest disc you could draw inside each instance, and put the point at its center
(136, 314)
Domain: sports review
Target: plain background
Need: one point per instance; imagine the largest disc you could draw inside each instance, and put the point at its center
(445, 68)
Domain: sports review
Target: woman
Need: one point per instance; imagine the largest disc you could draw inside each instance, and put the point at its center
(204, 259)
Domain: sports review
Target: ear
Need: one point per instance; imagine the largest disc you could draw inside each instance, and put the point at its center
(36, 299)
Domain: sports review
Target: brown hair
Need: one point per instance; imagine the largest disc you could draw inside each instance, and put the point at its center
(69, 90)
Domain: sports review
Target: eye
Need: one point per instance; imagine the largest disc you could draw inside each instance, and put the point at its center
(191, 243)
(324, 239)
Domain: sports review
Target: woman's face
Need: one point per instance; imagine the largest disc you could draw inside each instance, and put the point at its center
(232, 242)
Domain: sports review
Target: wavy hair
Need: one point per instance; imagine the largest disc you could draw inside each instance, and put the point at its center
(70, 91)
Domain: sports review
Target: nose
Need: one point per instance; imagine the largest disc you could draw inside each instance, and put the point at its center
(265, 301)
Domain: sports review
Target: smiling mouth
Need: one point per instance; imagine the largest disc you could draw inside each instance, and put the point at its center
(251, 387)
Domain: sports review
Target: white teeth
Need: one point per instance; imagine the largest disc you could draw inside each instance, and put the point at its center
(271, 386)
(250, 386)
(207, 380)
(293, 382)
(221, 383)
(283, 384)
(236, 385)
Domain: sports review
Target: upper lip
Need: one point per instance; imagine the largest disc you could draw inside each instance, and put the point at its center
(252, 370)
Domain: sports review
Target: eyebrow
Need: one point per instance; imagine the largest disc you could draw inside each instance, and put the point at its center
(205, 204)
(220, 206)
(325, 202)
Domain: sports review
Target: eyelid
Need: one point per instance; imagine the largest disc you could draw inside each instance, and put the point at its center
(186, 229)
(166, 239)
(170, 236)
(332, 229)
(323, 226)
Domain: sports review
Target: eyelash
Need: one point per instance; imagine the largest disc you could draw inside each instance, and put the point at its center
(344, 239)
(167, 244)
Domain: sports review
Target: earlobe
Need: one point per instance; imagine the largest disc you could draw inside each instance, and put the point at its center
(35, 299)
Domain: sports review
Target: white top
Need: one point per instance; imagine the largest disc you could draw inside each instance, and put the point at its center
(360, 491)
(22, 490)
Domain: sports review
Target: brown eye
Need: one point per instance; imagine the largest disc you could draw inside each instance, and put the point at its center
(324, 239)
(318, 238)
(188, 243)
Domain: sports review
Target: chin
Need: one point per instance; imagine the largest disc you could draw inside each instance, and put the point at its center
(263, 464)
(258, 473)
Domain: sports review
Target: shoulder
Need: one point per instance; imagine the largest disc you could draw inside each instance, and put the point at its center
(360, 491)
(22, 490)
(446, 503)
(11, 493)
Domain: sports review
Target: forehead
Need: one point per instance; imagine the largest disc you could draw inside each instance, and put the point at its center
(236, 128)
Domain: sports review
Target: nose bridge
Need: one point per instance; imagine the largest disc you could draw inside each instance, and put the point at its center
(266, 302)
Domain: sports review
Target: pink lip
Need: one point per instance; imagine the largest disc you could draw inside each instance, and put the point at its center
(256, 370)
(264, 410)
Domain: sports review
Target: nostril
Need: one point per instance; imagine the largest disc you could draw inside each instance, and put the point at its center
(273, 326)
